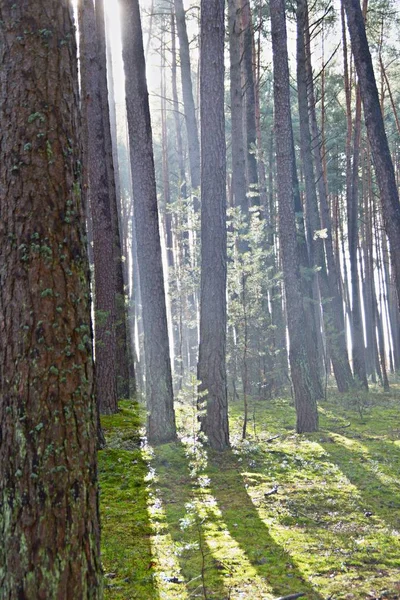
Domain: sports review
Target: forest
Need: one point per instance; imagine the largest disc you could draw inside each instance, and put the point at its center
(199, 300)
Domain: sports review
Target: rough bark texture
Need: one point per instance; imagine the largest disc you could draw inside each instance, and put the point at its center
(212, 349)
(187, 92)
(376, 133)
(100, 208)
(237, 137)
(49, 526)
(305, 399)
(111, 160)
(161, 417)
(123, 241)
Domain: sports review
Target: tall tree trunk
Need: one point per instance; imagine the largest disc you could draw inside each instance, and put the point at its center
(334, 315)
(358, 344)
(111, 159)
(124, 343)
(49, 523)
(159, 396)
(187, 92)
(251, 134)
(239, 187)
(100, 208)
(376, 133)
(175, 104)
(357, 336)
(333, 326)
(305, 398)
(212, 348)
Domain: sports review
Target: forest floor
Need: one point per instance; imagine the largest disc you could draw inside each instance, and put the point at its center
(278, 514)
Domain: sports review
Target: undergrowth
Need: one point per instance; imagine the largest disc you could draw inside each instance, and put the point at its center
(280, 513)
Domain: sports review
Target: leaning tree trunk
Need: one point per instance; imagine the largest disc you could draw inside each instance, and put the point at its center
(161, 416)
(212, 349)
(100, 208)
(49, 525)
(305, 393)
(376, 133)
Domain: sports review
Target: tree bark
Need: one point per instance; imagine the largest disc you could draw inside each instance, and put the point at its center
(100, 208)
(333, 327)
(239, 187)
(187, 92)
(305, 394)
(212, 348)
(376, 133)
(250, 117)
(333, 314)
(111, 157)
(161, 416)
(49, 522)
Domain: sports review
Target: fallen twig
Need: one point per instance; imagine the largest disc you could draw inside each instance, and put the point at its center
(273, 491)
(271, 439)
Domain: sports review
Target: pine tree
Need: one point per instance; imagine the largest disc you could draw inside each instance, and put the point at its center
(49, 524)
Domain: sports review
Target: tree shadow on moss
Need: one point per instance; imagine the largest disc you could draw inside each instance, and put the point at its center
(174, 485)
(268, 558)
(126, 530)
(125, 522)
(380, 498)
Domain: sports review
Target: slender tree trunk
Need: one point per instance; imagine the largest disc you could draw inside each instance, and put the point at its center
(49, 522)
(251, 133)
(125, 348)
(333, 327)
(100, 207)
(161, 417)
(239, 187)
(212, 349)
(175, 104)
(357, 337)
(122, 351)
(376, 133)
(305, 398)
(333, 315)
(262, 178)
(187, 92)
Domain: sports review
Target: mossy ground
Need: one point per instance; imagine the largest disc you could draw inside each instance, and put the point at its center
(180, 523)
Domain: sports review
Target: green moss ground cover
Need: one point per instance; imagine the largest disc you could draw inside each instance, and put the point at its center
(316, 513)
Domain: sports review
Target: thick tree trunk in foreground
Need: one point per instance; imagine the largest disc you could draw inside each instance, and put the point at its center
(100, 208)
(305, 398)
(376, 133)
(187, 92)
(212, 349)
(49, 527)
(161, 417)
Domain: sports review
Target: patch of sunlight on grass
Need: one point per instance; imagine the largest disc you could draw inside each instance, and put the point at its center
(242, 580)
(187, 523)
(167, 571)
